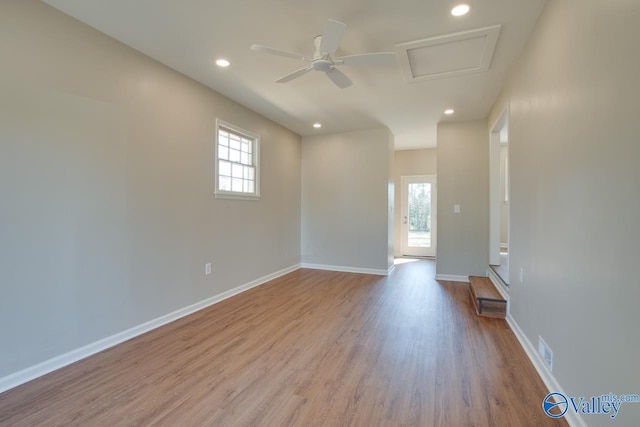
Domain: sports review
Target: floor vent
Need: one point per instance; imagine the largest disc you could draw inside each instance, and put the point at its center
(545, 353)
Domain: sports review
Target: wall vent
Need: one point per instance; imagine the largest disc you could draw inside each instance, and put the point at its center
(545, 353)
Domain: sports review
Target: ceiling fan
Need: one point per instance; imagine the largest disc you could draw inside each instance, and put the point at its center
(322, 60)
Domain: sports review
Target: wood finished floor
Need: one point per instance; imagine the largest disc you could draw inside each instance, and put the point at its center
(313, 348)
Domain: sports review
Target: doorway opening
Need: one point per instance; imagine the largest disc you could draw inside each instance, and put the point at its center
(419, 198)
(499, 196)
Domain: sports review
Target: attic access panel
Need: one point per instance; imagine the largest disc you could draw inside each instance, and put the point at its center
(448, 55)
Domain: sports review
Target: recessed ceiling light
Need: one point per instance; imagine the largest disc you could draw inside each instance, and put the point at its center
(461, 9)
(317, 125)
(222, 63)
(449, 111)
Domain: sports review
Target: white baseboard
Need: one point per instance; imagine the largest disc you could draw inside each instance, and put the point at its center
(345, 269)
(452, 278)
(549, 380)
(33, 372)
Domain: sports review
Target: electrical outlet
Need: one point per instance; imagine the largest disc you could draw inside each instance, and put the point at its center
(207, 269)
(456, 208)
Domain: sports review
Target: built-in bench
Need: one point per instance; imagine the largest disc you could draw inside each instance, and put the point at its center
(486, 298)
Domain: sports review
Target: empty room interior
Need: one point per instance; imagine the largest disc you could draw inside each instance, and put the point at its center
(336, 213)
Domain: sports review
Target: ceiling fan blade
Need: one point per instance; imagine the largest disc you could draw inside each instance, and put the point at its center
(380, 58)
(332, 35)
(294, 75)
(339, 78)
(274, 51)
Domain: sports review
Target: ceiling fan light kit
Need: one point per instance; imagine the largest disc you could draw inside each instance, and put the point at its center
(326, 45)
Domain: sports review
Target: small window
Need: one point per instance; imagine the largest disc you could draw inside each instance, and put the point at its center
(237, 163)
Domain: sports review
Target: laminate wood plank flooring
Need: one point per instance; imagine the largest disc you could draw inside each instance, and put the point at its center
(312, 348)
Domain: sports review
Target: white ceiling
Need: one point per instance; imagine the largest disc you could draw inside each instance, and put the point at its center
(189, 35)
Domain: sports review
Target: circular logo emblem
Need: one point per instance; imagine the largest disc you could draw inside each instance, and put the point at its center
(555, 405)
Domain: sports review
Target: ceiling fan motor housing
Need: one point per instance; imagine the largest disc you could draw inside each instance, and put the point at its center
(322, 65)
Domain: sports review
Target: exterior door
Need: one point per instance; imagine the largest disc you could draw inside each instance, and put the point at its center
(419, 215)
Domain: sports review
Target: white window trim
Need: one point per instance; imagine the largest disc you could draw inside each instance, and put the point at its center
(219, 194)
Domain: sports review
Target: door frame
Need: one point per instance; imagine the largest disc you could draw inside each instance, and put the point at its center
(496, 201)
(404, 181)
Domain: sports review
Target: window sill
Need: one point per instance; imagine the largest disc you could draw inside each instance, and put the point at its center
(236, 196)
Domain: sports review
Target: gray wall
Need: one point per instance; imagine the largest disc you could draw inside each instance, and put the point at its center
(106, 176)
(346, 217)
(575, 195)
(409, 162)
(463, 179)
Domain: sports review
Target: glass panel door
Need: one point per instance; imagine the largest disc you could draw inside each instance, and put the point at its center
(418, 215)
